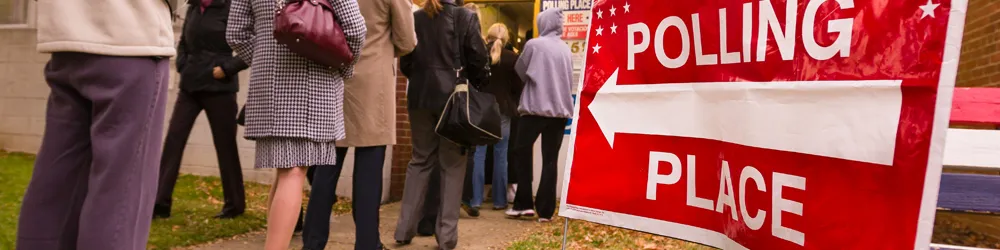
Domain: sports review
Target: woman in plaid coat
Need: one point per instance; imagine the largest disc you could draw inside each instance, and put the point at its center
(294, 110)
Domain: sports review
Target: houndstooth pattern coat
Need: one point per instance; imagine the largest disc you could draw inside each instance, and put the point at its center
(290, 96)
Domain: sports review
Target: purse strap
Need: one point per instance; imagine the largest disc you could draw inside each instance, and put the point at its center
(459, 64)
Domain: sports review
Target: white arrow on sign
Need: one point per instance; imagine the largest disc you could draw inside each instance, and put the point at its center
(853, 120)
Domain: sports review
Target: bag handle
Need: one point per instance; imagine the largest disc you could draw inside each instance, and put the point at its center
(459, 64)
(281, 4)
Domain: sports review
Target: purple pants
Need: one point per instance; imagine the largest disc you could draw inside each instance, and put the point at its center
(95, 177)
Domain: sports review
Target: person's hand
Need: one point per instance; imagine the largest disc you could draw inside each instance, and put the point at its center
(218, 73)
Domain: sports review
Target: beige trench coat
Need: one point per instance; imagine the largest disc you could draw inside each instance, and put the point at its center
(370, 97)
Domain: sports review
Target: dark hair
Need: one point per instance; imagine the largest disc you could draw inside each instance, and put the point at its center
(432, 7)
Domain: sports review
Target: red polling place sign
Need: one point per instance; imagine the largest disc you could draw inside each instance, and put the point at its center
(771, 124)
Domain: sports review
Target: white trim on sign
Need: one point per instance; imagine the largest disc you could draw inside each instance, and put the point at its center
(942, 113)
(576, 115)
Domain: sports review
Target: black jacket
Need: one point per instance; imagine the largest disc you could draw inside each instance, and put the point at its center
(203, 47)
(505, 85)
(431, 66)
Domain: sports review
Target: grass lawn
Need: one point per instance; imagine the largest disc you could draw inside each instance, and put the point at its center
(196, 200)
(588, 235)
(962, 229)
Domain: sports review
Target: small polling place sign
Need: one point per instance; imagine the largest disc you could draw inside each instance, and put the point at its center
(765, 124)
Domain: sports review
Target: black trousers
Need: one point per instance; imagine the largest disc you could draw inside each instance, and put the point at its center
(221, 110)
(551, 130)
(512, 171)
(366, 197)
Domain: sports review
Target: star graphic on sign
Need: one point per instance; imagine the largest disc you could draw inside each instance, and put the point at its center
(614, 27)
(599, 30)
(613, 10)
(597, 48)
(600, 14)
(626, 7)
(928, 9)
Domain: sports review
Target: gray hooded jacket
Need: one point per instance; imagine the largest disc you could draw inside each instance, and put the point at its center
(546, 68)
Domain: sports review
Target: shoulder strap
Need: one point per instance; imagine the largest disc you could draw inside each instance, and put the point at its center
(459, 65)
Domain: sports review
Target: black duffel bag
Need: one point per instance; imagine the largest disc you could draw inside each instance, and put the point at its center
(470, 118)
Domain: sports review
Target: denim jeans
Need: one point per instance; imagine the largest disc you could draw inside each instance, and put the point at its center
(499, 169)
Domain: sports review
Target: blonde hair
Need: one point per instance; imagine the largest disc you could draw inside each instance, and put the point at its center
(473, 7)
(432, 7)
(499, 36)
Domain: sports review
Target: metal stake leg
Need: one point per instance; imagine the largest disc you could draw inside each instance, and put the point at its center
(565, 232)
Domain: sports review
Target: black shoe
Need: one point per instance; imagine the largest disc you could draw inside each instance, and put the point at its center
(228, 215)
(426, 227)
(425, 230)
(472, 211)
(403, 242)
(161, 212)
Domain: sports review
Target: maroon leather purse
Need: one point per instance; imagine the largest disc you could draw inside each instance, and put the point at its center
(310, 28)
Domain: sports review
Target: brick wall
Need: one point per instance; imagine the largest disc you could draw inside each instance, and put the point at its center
(980, 59)
(23, 92)
(401, 152)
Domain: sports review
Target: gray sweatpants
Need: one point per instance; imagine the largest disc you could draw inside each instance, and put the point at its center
(95, 177)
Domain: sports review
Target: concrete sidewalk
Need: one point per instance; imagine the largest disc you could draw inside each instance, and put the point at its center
(489, 231)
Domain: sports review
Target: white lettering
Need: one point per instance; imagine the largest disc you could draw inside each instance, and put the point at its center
(699, 57)
(780, 204)
(747, 31)
(757, 221)
(783, 31)
(634, 48)
(726, 192)
(725, 56)
(840, 26)
(784, 38)
(661, 55)
(656, 178)
(725, 198)
(692, 192)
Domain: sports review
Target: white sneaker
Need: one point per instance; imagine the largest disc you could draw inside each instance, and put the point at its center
(518, 213)
(544, 220)
(511, 191)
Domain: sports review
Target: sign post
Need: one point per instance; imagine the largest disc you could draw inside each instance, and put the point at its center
(772, 124)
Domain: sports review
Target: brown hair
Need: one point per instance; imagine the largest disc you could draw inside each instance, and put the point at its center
(432, 7)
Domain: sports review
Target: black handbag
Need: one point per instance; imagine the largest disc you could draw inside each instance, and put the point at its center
(470, 117)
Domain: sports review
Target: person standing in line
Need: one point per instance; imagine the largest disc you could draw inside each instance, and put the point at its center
(294, 108)
(370, 123)
(505, 85)
(546, 103)
(95, 175)
(428, 221)
(208, 82)
(431, 69)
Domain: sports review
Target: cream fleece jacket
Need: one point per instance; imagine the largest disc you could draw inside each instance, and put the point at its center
(106, 27)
